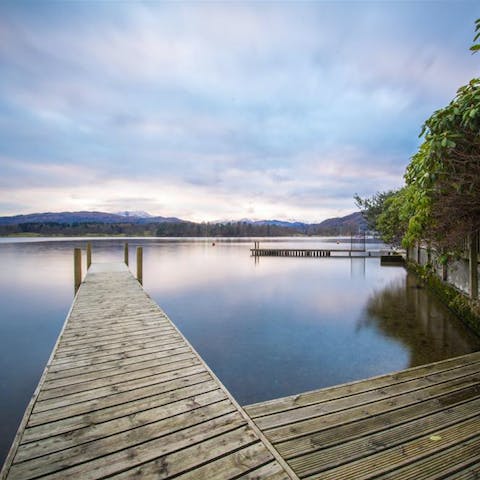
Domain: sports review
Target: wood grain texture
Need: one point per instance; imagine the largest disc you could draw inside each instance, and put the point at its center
(420, 423)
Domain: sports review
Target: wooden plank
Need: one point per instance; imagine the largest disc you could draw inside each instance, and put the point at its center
(392, 459)
(119, 461)
(164, 391)
(467, 471)
(121, 373)
(121, 362)
(168, 464)
(231, 465)
(79, 397)
(79, 453)
(373, 424)
(270, 471)
(97, 387)
(441, 464)
(117, 347)
(335, 418)
(125, 352)
(64, 434)
(392, 426)
(359, 386)
(349, 451)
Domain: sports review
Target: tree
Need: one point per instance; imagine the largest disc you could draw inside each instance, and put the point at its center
(440, 202)
(387, 213)
(445, 173)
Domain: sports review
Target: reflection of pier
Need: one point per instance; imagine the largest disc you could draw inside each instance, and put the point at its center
(125, 395)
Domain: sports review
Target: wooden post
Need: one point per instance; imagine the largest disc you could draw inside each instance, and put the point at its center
(125, 254)
(77, 268)
(140, 265)
(473, 264)
(89, 255)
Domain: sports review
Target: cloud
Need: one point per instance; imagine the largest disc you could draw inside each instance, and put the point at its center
(235, 109)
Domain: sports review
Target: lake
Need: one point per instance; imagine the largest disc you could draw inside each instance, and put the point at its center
(268, 327)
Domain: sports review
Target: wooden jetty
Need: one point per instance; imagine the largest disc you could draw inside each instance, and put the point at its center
(420, 423)
(314, 252)
(125, 396)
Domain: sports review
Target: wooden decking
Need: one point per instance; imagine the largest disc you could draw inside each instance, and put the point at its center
(313, 252)
(125, 396)
(421, 423)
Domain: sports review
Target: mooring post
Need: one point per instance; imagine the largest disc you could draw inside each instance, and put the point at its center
(125, 254)
(77, 268)
(140, 265)
(89, 255)
(473, 265)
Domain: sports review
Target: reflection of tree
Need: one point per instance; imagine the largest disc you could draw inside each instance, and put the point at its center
(408, 313)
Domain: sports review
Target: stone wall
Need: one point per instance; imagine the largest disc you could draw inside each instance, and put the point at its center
(456, 272)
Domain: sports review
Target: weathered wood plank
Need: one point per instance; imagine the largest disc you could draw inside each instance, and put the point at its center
(322, 422)
(232, 465)
(349, 451)
(40, 464)
(372, 424)
(67, 434)
(90, 381)
(390, 397)
(162, 392)
(168, 464)
(119, 363)
(125, 352)
(421, 423)
(56, 402)
(348, 389)
(271, 471)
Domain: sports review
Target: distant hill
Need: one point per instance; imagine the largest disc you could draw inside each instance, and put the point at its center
(354, 221)
(85, 217)
(141, 223)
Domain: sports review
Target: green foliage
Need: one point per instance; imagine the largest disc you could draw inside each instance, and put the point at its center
(440, 202)
(387, 213)
(372, 207)
(444, 175)
(476, 46)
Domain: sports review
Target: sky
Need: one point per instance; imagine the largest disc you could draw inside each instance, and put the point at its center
(220, 110)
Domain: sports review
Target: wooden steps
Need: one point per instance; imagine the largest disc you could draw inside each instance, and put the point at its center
(124, 395)
(422, 422)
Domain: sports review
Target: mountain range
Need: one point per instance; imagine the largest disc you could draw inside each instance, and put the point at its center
(353, 222)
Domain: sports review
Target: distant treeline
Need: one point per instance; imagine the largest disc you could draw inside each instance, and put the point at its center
(168, 229)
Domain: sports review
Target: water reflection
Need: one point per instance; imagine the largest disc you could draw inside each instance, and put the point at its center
(407, 313)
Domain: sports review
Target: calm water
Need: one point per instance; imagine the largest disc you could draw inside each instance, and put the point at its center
(270, 328)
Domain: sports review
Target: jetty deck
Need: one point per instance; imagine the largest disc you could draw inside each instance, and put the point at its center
(125, 396)
(315, 252)
(420, 423)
